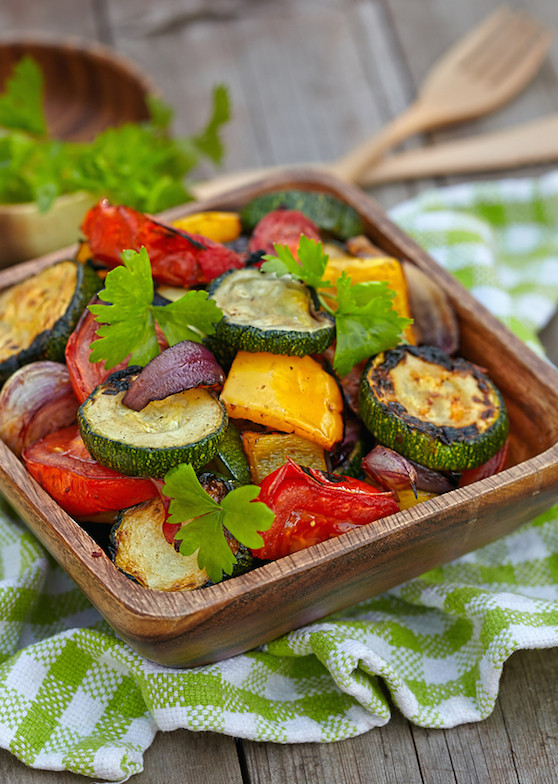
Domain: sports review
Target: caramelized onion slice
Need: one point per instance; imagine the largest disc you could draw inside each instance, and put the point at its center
(35, 401)
(435, 322)
(185, 365)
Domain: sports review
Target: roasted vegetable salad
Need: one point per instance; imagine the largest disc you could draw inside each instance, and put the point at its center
(236, 387)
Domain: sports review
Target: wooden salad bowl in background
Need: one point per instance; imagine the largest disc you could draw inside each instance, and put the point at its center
(185, 629)
(88, 88)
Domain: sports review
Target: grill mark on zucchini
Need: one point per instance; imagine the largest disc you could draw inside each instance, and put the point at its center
(430, 438)
(51, 303)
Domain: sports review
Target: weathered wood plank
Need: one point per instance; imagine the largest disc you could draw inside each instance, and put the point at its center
(380, 756)
(55, 18)
(179, 757)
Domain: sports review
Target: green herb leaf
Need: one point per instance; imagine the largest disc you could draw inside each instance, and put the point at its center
(128, 322)
(138, 164)
(309, 268)
(208, 142)
(21, 105)
(365, 322)
(204, 519)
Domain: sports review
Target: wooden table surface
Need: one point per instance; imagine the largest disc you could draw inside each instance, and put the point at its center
(308, 80)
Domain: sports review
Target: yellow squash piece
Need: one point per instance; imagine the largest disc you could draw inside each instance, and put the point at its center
(290, 394)
(382, 268)
(217, 226)
(267, 451)
(407, 498)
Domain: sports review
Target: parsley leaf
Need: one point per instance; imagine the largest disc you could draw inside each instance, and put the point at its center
(141, 165)
(312, 264)
(365, 322)
(238, 512)
(128, 322)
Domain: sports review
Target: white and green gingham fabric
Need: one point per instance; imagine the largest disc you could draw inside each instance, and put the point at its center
(74, 697)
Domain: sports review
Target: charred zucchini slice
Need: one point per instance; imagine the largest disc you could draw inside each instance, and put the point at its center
(330, 215)
(139, 548)
(186, 427)
(38, 314)
(293, 325)
(443, 413)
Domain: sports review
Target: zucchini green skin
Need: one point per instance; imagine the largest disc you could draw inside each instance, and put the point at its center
(330, 215)
(230, 459)
(50, 343)
(442, 448)
(249, 332)
(133, 459)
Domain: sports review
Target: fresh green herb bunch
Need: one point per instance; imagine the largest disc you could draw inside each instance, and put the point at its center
(138, 164)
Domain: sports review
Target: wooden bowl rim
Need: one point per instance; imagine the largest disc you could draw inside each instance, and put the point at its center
(93, 50)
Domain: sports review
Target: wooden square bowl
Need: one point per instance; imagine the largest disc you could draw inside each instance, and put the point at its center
(184, 629)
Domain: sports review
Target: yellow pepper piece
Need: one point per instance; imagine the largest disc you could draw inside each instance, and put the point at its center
(407, 498)
(291, 394)
(217, 226)
(267, 451)
(383, 268)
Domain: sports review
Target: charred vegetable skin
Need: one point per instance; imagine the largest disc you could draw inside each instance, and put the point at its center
(443, 413)
(186, 427)
(177, 257)
(142, 545)
(38, 315)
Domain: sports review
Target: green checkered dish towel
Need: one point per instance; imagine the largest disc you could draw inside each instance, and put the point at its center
(74, 697)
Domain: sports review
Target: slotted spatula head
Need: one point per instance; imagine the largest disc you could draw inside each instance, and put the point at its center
(485, 69)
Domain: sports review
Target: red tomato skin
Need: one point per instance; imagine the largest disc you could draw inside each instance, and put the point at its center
(177, 258)
(79, 484)
(282, 227)
(312, 506)
(86, 375)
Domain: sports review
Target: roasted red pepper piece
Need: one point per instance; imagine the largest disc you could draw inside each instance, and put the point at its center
(177, 258)
(311, 506)
(282, 227)
(64, 468)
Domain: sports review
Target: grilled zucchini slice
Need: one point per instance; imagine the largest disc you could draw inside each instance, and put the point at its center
(330, 215)
(293, 324)
(186, 427)
(443, 413)
(38, 314)
(139, 548)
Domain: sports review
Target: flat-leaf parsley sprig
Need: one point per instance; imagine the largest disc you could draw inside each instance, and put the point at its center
(239, 512)
(128, 320)
(365, 321)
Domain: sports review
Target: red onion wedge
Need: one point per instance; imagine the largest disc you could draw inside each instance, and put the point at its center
(36, 400)
(396, 472)
(185, 365)
(389, 469)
